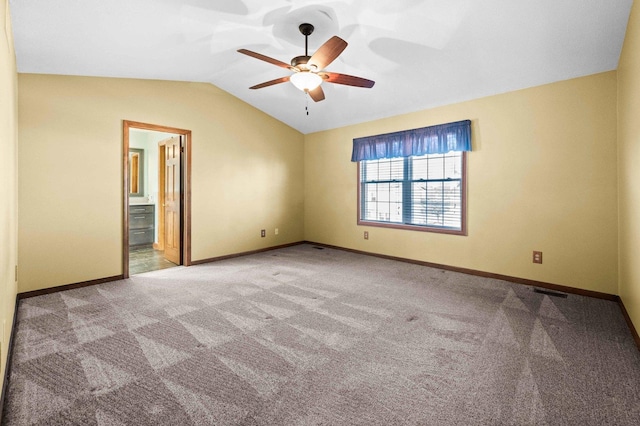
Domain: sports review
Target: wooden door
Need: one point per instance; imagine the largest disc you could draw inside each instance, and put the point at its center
(172, 197)
(161, 193)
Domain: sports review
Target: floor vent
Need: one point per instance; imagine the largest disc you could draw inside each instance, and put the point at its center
(550, 293)
(318, 248)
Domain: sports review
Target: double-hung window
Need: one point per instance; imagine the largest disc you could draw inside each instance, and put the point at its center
(425, 192)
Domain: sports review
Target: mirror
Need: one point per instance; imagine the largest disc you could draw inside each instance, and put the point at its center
(136, 172)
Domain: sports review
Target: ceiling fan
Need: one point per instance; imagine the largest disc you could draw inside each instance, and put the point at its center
(308, 73)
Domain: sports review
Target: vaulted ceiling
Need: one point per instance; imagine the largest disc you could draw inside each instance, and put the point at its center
(420, 53)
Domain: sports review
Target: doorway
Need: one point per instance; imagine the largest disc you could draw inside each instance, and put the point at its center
(156, 178)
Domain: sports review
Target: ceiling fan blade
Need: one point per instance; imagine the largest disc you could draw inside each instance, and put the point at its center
(264, 58)
(328, 52)
(270, 83)
(348, 80)
(317, 94)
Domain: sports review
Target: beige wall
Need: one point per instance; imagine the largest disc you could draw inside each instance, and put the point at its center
(247, 172)
(542, 176)
(8, 188)
(629, 172)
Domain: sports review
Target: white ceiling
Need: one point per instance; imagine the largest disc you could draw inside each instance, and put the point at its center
(420, 53)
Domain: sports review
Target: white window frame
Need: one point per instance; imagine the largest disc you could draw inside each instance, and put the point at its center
(407, 207)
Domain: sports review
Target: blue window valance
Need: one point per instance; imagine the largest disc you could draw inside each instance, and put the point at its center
(438, 139)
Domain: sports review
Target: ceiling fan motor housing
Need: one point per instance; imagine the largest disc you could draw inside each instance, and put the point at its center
(301, 63)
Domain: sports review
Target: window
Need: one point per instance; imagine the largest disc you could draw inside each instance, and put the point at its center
(414, 179)
(425, 192)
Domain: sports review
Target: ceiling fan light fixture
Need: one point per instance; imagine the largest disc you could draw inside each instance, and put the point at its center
(306, 80)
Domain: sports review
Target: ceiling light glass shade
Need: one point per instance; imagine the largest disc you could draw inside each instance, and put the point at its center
(305, 80)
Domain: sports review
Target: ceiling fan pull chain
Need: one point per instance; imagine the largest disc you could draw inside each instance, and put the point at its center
(306, 100)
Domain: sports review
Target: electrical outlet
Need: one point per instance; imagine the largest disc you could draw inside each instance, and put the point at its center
(276, 231)
(263, 233)
(537, 257)
(366, 235)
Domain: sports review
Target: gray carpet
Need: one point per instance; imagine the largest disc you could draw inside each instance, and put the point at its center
(303, 336)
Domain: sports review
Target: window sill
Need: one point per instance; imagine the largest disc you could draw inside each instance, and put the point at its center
(419, 228)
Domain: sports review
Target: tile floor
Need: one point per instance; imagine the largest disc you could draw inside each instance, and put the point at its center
(145, 259)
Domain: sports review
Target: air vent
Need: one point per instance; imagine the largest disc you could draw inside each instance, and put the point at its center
(550, 293)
